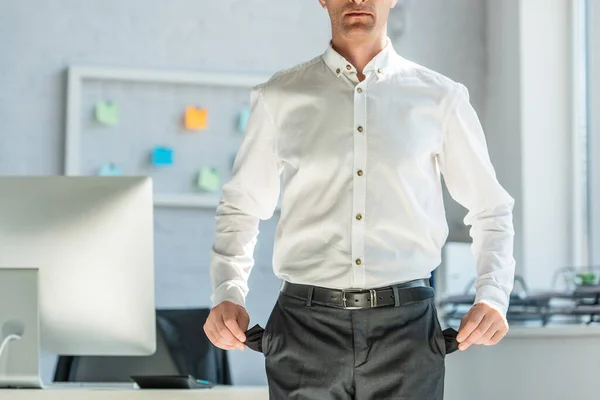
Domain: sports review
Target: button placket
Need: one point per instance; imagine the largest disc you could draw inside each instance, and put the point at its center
(359, 186)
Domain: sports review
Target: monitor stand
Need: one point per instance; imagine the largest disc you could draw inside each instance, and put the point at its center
(19, 328)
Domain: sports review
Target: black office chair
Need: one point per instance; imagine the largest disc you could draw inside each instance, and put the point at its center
(182, 348)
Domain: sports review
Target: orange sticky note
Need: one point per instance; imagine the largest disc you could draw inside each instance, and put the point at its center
(196, 118)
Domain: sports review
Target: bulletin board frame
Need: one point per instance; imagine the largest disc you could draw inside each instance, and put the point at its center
(77, 75)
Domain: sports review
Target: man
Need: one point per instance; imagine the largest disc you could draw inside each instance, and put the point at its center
(361, 137)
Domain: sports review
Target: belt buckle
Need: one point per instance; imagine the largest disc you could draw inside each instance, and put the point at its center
(373, 302)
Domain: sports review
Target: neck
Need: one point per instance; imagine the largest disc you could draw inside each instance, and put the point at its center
(359, 51)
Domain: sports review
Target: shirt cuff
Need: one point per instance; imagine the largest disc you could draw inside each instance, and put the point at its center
(228, 292)
(494, 297)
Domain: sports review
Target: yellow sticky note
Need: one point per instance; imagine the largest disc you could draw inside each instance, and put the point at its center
(196, 118)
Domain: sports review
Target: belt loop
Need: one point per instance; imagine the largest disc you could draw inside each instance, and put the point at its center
(310, 295)
(396, 296)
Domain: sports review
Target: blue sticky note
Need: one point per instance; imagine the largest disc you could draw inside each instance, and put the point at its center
(244, 117)
(110, 170)
(162, 156)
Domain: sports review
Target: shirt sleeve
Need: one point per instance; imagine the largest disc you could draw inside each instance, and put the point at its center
(250, 195)
(471, 180)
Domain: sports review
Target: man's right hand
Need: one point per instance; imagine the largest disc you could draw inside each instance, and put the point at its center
(226, 324)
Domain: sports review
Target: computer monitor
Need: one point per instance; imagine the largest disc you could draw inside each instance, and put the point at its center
(85, 245)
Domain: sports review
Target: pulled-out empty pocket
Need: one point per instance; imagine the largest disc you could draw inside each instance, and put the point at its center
(254, 339)
(450, 340)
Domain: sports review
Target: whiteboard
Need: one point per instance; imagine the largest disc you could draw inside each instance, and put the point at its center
(151, 108)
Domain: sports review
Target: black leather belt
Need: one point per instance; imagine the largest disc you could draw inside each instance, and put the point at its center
(361, 298)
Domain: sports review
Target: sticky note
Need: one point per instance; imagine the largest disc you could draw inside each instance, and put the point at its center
(162, 156)
(209, 179)
(110, 170)
(244, 117)
(195, 118)
(107, 113)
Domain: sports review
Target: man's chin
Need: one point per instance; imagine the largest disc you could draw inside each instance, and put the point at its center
(357, 29)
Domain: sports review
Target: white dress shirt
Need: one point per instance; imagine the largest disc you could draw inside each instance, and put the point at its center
(361, 193)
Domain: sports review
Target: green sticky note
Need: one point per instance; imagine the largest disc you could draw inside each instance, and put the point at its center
(209, 179)
(107, 113)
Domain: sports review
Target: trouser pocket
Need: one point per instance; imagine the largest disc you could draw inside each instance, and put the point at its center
(254, 338)
(449, 334)
(450, 340)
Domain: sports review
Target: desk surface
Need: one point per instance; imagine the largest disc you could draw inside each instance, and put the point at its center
(217, 393)
(559, 331)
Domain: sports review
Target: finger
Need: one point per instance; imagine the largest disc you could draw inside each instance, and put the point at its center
(477, 333)
(212, 336)
(243, 321)
(468, 324)
(485, 339)
(463, 320)
(225, 335)
(497, 337)
(232, 324)
(234, 328)
(486, 325)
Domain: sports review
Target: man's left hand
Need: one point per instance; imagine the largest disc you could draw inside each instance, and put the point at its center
(481, 325)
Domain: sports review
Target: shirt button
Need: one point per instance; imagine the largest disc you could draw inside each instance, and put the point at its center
(380, 70)
(348, 67)
(358, 261)
(359, 90)
(360, 173)
(358, 217)
(337, 71)
(360, 128)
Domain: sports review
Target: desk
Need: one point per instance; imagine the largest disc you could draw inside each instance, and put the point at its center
(216, 393)
(530, 363)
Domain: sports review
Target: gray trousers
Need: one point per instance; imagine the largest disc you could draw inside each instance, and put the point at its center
(318, 352)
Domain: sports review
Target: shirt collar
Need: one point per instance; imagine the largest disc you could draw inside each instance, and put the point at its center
(379, 64)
